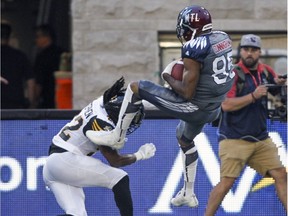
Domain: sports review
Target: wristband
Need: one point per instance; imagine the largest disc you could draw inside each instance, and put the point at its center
(138, 156)
(253, 97)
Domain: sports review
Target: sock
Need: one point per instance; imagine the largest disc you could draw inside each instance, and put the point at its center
(122, 196)
(128, 110)
(190, 161)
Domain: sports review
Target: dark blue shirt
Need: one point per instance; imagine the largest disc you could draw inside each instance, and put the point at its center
(250, 122)
(16, 68)
(46, 64)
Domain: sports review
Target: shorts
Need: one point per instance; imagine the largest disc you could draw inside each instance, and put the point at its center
(236, 153)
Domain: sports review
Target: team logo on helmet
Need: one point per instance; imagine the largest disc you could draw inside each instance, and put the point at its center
(193, 21)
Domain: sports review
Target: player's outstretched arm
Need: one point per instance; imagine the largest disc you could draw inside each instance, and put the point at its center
(115, 159)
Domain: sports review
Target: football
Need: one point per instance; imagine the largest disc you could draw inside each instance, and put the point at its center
(177, 70)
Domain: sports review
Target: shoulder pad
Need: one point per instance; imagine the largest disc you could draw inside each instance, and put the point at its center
(196, 49)
(97, 124)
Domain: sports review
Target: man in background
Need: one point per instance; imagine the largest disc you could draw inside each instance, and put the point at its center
(46, 63)
(17, 78)
(243, 136)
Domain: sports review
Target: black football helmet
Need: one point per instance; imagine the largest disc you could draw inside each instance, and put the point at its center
(193, 21)
(112, 101)
(113, 106)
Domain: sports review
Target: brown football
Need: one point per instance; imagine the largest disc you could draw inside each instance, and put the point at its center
(177, 70)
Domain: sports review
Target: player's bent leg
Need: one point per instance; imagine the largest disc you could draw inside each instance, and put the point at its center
(70, 199)
(116, 137)
(122, 196)
(186, 195)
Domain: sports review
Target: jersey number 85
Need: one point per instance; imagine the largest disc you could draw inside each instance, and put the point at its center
(222, 68)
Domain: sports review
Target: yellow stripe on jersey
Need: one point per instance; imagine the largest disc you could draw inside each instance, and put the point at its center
(95, 126)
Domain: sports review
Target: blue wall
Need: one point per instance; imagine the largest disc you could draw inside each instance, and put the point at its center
(24, 145)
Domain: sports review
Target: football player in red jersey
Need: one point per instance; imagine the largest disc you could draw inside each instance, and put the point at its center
(195, 100)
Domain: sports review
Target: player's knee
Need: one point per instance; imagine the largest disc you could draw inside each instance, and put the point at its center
(134, 87)
(226, 184)
(279, 174)
(185, 143)
(122, 185)
(283, 173)
(182, 139)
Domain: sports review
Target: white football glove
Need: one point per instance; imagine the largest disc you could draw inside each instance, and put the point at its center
(145, 151)
(168, 68)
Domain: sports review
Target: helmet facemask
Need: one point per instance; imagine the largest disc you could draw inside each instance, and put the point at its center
(184, 32)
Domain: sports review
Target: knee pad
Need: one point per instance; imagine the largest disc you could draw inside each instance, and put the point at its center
(122, 185)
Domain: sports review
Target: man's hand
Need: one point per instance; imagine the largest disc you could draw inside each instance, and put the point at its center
(4, 81)
(146, 151)
(281, 80)
(260, 91)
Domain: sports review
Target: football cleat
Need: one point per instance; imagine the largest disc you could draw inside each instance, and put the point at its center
(106, 138)
(181, 200)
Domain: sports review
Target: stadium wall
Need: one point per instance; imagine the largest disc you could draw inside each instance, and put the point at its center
(115, 38)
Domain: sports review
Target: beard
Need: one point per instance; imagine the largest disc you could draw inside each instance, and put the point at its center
(250, 62)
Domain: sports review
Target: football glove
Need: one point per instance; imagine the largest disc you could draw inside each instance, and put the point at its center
(169, 68)
(145, 151)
